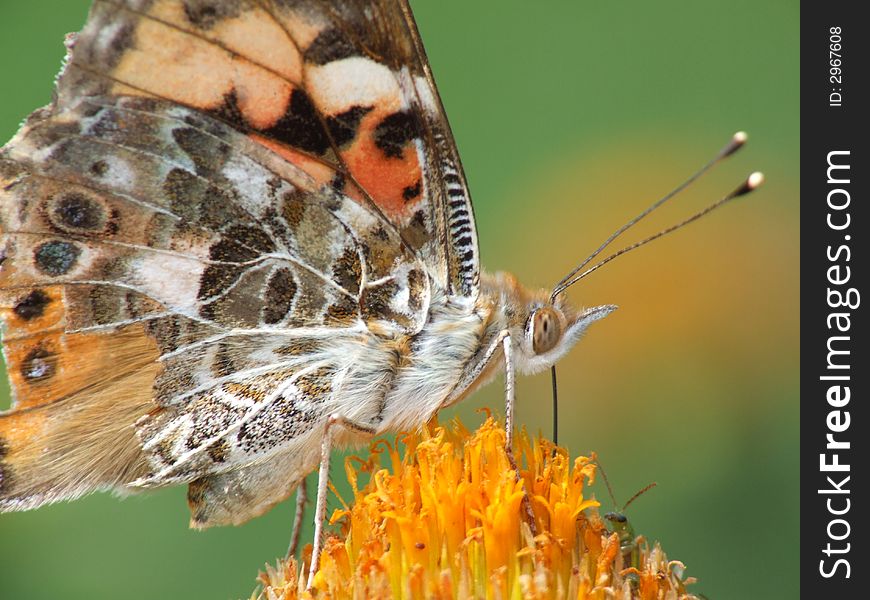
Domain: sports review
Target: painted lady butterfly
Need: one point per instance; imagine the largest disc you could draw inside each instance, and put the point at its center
(238, 223)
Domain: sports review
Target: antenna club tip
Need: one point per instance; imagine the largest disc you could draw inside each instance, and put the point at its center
(754, 180)
(735, 144)
(751, 183)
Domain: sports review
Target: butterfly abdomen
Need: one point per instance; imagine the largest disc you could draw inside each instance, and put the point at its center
(436, 365)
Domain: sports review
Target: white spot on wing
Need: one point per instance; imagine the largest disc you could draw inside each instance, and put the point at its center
(354, 81)
(107, 35)
(400, 301)
(172, 281)
(119, 175)
(426, 95)
(251, 182)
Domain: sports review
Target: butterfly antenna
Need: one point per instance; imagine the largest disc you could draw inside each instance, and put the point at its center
(737, 141)
(639, 493)
(555, 407)
(749, 184)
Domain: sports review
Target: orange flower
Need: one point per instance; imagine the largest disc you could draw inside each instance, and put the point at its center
(445, 520)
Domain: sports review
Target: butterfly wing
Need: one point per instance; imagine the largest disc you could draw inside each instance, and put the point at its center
(194, 306)
(341, 89)
(225, 201)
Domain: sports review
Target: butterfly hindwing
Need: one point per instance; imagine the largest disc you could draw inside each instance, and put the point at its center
(181, 270)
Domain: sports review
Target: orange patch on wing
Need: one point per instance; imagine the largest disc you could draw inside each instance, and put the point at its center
(256, 36)
(261, 100)
(48, 367)
(384, 178)
(199, 73)
(176, 65)
(320, 172)
(18, 428)
(27, 312)
(300, 27)
(253, 34)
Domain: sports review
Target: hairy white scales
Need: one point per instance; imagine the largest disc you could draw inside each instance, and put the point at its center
(441, 353)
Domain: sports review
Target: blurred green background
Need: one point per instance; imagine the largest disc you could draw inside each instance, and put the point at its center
(570, 116)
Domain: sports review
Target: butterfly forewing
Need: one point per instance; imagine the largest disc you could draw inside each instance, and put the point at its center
(341, 89)
(227, 203)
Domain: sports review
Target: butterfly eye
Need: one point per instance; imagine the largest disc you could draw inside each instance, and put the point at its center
(546, 330)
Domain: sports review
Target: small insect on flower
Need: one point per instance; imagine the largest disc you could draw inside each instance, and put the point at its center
(619, 523)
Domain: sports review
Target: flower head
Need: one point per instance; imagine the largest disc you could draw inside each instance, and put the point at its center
(445, 520)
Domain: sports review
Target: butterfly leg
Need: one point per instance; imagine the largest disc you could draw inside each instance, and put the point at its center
(510, 394)
(301, 500)
(323, 483)
(509, 397)
(503, 341)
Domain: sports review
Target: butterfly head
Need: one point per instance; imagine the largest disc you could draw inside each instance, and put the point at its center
(551, 330)
(543, 328)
